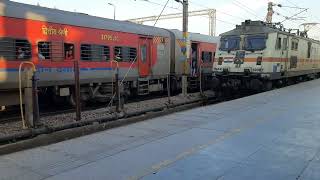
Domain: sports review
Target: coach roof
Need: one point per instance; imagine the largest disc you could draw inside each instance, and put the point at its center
(25, 11)
(196, 36)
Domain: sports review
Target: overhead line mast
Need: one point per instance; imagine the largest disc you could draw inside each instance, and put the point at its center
(185, 46)
(210, 13)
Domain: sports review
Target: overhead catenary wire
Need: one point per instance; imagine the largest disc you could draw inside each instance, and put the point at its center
(164, 7)
(296, 6)
(294, 15)
(159, 4)
(191, 2)
(289, 10)
(246, 8)
(226, 22)
(217, 10)
(311, 17)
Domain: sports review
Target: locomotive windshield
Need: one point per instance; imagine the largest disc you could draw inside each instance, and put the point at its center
(230, 43)
(255, 42)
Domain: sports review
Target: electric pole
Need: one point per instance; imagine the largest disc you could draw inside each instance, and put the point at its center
(114, 10)
(185, 47)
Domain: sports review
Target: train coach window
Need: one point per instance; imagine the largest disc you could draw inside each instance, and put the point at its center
(125, 54)
(7, 50)
(68, 51)
(100, 53)
(85, 52)
(15, 49)
(285, 44)
(206, 56)
(23, 49)
(143, 52)
(106, 53)
(44, 50)
(294, 45)
(293, 62)
(309, 49)
(95, 52)
(51, 50)
(278, 43)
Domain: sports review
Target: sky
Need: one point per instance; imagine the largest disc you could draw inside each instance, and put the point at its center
(229, 12)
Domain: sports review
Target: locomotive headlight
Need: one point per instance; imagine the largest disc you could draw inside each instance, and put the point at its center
(220, 60)
(259, 60)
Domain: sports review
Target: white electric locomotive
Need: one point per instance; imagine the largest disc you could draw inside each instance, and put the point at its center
(257, 55)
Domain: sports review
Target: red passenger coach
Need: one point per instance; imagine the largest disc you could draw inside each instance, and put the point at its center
(53, 39)
(202, 52)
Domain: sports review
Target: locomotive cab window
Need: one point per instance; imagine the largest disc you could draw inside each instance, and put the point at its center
(68, 51)
(206, 56)
(125, 54)
(230, 43)
(255, 43)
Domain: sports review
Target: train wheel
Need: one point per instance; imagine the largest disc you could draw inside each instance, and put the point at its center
(58, 100)
(267, 86)
(256, 85)
(72, 100)
(173, 86)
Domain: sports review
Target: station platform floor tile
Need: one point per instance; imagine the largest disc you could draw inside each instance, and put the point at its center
(272, 135)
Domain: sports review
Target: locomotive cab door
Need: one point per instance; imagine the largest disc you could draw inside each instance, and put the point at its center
(144, 56)
(283, 46)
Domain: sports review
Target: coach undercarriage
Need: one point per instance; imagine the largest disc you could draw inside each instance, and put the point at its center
(105, 92)
(253, 82)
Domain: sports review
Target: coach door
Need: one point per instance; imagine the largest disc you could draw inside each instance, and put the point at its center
(144, 58)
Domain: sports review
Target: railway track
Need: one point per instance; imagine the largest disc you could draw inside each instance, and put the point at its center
(13, 114)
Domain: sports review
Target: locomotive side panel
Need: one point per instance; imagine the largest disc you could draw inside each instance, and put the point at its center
(274, 58)
(303, 57)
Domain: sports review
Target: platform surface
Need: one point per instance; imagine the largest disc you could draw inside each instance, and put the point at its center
(273, 135)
